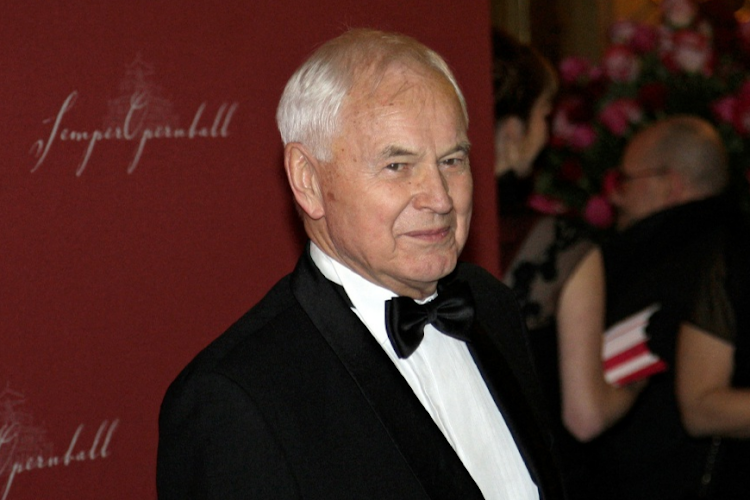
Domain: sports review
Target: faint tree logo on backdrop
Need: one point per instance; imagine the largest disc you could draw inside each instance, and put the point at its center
(138, 85)
(20, 438)
(140, 114)
(25, 447)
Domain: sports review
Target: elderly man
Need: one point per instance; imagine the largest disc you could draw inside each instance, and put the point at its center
(672, 217)
(380, 368)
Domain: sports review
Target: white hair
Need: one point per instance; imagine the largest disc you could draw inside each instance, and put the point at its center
(310, 105)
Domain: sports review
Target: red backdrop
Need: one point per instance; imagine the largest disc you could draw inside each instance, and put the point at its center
(144, 207)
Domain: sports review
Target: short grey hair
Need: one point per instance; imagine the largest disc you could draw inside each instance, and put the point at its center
(694, 148)
(313, 97)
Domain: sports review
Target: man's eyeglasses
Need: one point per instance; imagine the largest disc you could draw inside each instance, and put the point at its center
(620, 178)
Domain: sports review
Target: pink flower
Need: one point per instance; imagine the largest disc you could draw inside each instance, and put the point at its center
(596, 73)
(735, 109)
(598, 212)
(741, 120)
(640, 38)
(562, 128)
(742, 110)
(622, 32)
(610, 182)
(645, 38)
(621, 64)
(583, 137)
(570, 125)
(679, 13)
(620, 114)
(692, 53)
(545, 204)
(723, 109)
(665, 42)
(574, 69)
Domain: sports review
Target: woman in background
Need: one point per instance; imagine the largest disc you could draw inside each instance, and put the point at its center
(713, 366)
(525, 84)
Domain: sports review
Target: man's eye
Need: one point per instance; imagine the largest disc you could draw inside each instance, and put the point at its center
(454, 162)
(396, 167)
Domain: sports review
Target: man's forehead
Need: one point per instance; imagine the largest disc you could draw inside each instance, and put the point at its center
(641, 148)
(396, 150)
(375, 109)
(382, 84)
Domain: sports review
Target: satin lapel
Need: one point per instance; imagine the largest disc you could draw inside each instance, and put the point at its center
(419, 440)
(518, 413)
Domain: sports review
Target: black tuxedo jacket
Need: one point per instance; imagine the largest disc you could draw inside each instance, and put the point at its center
(297, 400)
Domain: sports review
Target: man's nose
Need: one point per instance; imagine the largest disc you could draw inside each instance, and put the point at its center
(433, 190)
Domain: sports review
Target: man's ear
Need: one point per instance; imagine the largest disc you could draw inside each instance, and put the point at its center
(303, 173)
(508, 140)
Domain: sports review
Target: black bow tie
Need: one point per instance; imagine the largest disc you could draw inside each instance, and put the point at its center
(451, 312)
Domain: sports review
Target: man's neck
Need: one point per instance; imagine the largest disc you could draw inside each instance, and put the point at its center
(400, 289)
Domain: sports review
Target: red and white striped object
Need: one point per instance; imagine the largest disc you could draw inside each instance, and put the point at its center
(625, 351)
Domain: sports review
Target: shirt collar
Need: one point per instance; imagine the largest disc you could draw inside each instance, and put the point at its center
(367, 298)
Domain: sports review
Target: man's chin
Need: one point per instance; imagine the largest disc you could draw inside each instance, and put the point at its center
(435, 269)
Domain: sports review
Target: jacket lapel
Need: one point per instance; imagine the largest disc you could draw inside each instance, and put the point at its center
(421, 443)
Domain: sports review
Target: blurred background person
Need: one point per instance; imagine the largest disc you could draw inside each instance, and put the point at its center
(713, 360)
(544, 249)
(525, 84)
(670, 215)
(538, 251)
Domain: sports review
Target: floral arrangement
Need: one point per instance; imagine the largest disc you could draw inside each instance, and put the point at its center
(695, 60)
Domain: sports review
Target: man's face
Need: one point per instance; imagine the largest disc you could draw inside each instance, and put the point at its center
(644, 185)
(397, 195)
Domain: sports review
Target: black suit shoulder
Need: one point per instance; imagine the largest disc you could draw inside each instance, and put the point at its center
(250, 327)
(271, 345)
(499, 314)
(224, 421)
(493, 299)
(269, 410)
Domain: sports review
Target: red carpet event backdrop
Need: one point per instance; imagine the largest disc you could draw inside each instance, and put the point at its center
(144, 206)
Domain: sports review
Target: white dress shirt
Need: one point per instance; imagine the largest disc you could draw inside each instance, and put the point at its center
(444, 377)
